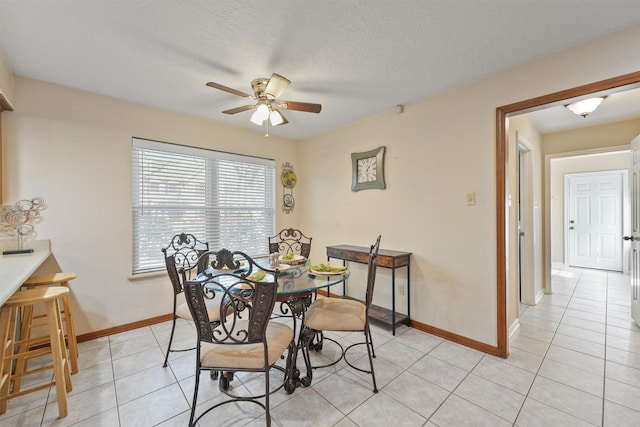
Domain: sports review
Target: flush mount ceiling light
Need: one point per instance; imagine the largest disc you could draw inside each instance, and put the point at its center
(586, 106)
(265, 94)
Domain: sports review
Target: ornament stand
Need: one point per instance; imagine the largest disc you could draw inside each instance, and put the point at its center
(19, 219)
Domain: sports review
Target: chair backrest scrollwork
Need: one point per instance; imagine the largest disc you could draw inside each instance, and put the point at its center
(184, 254)
(290, 240)
(248, 297)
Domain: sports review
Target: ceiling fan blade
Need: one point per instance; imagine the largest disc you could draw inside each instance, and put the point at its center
(301, 106)
(228, 89)
(239, 109)
(277, 84)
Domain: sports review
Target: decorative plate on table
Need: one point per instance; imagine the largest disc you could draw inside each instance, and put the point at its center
(283, 267)
(297, 259)
(332, 271)
(258, 276)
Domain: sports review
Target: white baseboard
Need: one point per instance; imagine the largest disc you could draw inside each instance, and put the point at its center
(514, 327)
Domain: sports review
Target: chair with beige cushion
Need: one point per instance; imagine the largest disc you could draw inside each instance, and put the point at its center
(183, 254)
(245, 340)
(344, 315)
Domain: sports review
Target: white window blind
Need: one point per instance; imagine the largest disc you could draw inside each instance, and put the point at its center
(225, 199)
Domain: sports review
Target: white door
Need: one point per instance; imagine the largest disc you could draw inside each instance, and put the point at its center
(595, 220)
(634, 186)
(526, 226)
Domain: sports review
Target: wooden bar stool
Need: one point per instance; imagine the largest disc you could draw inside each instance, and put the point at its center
(61, 279)
(16, 349)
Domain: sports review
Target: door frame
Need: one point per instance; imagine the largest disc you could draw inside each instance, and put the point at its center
(624, 210)
(633, 231)
(525, 198)
(608, 86)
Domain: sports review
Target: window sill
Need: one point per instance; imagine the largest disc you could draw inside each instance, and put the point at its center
(150, 275)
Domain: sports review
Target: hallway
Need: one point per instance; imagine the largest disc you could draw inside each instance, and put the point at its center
(585, 351)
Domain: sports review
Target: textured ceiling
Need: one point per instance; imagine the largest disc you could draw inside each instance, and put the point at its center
(357, 58)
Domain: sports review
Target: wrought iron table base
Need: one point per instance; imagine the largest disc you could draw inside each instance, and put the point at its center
(295, 305)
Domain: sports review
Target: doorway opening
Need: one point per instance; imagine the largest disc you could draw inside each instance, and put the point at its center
(559, 165)
(604, 87)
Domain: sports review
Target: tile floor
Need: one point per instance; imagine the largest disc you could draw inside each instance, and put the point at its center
(574, 361)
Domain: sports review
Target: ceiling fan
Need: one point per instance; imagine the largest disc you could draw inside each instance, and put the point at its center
(266, 94)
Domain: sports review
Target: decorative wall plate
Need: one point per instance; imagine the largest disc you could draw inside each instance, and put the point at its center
(289, 180)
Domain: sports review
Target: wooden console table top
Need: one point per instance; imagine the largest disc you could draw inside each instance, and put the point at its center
(386, 258)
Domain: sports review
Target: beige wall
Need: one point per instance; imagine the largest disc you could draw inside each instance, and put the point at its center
(6, 101)
(441, 148)
(594, 137)
(73, 149)
(6, 82)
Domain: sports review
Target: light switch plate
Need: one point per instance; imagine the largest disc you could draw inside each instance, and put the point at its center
(471, 199)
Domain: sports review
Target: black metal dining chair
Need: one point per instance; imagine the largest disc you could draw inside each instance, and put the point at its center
(290, 241)
(245, 340)
(184, 254)
(344, 315)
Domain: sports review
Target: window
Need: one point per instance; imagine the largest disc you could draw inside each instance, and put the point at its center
(225, 199)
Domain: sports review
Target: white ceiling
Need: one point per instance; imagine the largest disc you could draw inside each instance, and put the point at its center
(616, 106)
(357, 58)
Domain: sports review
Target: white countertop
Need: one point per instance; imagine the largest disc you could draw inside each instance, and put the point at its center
(15, 269)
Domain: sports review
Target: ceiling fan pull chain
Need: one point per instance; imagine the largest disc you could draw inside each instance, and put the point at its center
(266, 128)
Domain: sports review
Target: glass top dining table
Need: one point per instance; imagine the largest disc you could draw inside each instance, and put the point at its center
(296, 286)
(292, 279)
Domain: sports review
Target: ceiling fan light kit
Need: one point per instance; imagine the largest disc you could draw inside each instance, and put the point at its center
(276, 118)
(260, 115)
(266, 93)
(586, 106)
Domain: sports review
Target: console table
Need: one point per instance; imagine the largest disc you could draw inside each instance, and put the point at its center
(387, 259)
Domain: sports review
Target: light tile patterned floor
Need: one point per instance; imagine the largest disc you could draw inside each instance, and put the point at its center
(574, 361)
